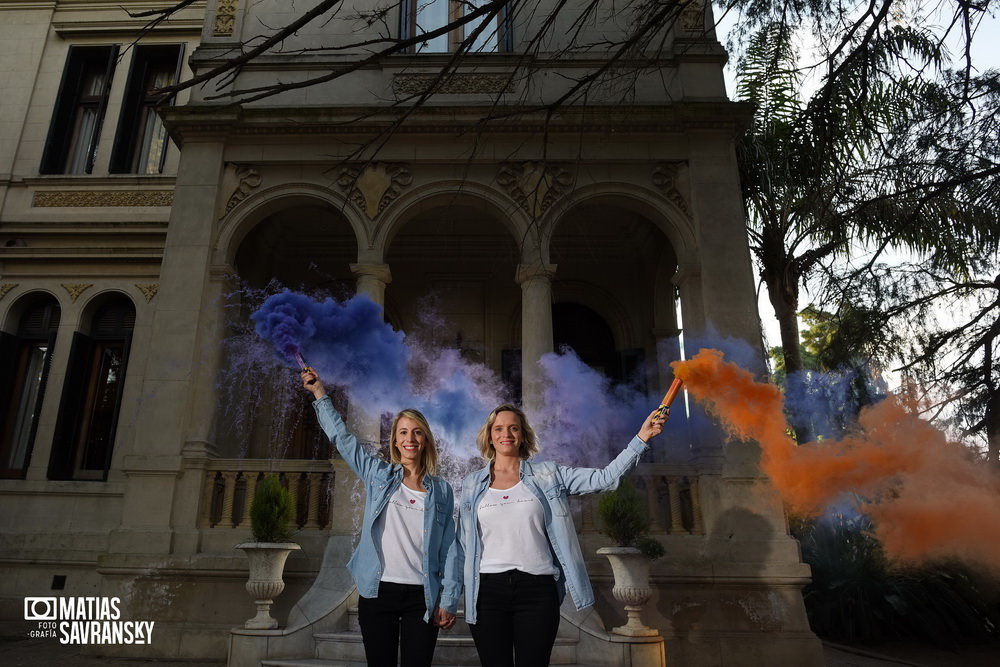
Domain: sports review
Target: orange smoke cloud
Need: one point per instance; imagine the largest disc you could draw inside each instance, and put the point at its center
(927, 497)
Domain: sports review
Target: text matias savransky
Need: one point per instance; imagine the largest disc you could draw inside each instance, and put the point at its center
(85, 620)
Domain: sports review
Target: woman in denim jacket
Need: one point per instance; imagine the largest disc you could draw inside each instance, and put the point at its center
(407, 537)
(520, 551)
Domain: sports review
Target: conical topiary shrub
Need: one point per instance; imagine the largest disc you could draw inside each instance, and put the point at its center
(272, 511)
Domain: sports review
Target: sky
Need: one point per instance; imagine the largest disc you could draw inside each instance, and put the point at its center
(985, 55)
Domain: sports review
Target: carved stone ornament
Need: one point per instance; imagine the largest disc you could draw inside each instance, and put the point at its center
(455, 84)
(98, 198)
(671, 179)
(693, 16)
(5, 288)
(375, 186)
(534, 185)
(248, 179)
(76, 289)
(148, 290)
(225, 18)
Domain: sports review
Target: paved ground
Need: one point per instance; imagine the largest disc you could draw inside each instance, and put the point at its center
(17, 650)
(908, 653)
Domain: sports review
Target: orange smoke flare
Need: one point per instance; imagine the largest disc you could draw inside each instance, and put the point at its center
(927, 497)
(671, 394)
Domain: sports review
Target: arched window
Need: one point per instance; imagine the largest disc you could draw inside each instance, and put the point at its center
(91, 399)
(24, 369)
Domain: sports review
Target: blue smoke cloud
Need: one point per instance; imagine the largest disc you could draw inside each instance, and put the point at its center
(347, 342)
(349, 345)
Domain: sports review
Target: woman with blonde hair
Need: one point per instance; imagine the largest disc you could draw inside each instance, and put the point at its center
(519, 549)
(407, 537)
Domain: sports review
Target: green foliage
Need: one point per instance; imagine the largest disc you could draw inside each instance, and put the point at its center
(885, 148)
(955, 352)
(651, 548)
(856, 594)
(272, 511)
(625, 519)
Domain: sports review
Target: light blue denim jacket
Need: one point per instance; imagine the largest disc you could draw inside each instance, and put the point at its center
(381, 479)
(552, 484)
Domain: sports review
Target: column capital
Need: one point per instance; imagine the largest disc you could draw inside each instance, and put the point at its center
(528, 272)
(380, 272)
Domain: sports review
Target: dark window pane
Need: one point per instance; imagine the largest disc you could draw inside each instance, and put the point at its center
(24, 367)
(101, 408)
(141, 140)
(71, 147)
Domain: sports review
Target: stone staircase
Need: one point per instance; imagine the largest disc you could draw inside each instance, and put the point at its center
(455, 648)
(322, 631)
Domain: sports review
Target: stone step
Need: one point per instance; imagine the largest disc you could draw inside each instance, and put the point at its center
(320, 662)
(345, 649)
(354, 626)
(452, 649)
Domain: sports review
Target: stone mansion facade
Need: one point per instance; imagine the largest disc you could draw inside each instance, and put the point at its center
(613, 225)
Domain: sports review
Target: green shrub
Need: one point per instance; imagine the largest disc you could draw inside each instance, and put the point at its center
(858, 595)
(650, 547)
(272, 511)
(626, 521)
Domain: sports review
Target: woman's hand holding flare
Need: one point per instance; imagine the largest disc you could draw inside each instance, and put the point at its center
(312, 383)
(653, 425)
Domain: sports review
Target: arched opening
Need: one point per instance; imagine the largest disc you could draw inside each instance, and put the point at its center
(92, 392)
(307, 247)
(24, 369)
(582, 329)
(263, 411)
(611, 307)
(453, 270)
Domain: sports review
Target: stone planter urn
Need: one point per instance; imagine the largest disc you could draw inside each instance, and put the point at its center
(631, 570)
(267, 564)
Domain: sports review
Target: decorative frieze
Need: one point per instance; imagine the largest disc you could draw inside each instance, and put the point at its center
(76, 289)
(101, 198)
(671, 179)
(148, 290)
(225, 18)
(247, 179)
(534, 185)
(375, 186)
(453, 84)
(5, 288)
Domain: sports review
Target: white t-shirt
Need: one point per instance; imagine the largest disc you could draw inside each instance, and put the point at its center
(400, 536)
(512, 528)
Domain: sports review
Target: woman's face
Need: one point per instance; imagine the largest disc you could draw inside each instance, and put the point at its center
(409, 440)
(506, 434)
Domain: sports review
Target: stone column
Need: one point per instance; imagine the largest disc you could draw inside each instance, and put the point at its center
(372, 279)
(536, 326)
(184, 328)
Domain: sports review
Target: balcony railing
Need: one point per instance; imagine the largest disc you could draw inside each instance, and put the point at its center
(230, 484)
(672, 495)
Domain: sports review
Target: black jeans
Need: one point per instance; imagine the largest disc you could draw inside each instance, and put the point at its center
(517, 616)
(393, 624)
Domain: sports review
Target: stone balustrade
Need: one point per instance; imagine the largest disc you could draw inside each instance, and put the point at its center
(673, 498)
(229, 487)
(229, 484)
